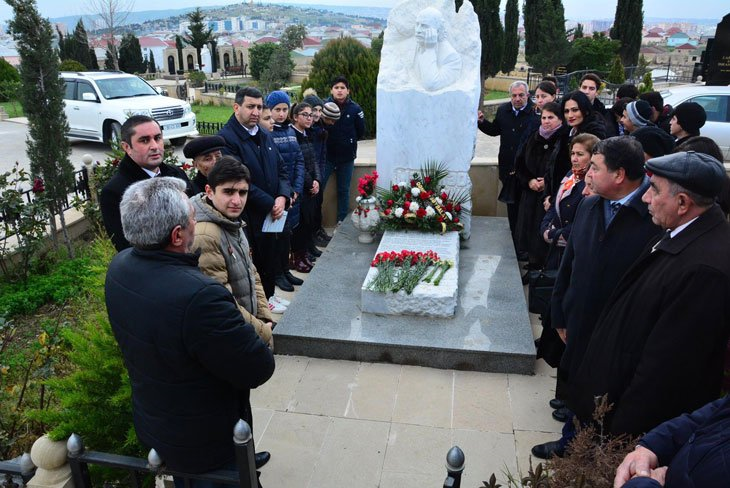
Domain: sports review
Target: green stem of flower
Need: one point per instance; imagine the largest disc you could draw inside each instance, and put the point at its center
(444, 268)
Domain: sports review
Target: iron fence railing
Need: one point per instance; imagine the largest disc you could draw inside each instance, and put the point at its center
(80, 191)
(210, 128)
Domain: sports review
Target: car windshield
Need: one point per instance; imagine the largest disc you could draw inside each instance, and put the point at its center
(124, 87)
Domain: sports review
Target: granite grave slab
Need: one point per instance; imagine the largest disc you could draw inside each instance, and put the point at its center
(490, 331)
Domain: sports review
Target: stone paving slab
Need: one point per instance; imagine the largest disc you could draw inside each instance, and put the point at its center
(491, 330)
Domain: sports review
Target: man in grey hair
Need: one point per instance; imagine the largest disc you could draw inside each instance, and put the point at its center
(191, 357)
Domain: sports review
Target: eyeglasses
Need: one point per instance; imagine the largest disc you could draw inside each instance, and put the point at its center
(306, 116)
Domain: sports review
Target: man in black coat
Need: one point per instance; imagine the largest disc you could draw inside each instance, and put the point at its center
(145, 149)
(191, 357)
(269, 192)
(658, 348)
(510, 122)
(609, 232)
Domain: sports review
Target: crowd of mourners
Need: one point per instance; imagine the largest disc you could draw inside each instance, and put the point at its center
(626, 209)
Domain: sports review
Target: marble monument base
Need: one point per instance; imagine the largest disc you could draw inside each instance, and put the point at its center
(427, 299)
(490, 330)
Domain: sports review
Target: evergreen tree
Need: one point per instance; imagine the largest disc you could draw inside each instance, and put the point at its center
(348, 58)
(530, 17)
(578, 32)
(627, 29)
(179, 46)
(151, 66)
(594, 53)
(130, 54)
(81, 45)
(110, 57)
(616, 75)
(377, 44)
(293, 37)
(492, 36)
(511, 37)
(41, 95)
(259, 56)
(65, 47)
(200, 34)
(647, 84)
(550, 47)
(213, 54)
(94, 66)
(278, 71)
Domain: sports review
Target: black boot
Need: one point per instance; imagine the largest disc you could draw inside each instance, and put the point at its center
(314, 251)
(283, 283)
(292, 279)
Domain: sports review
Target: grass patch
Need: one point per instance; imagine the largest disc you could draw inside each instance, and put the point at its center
(212, 113)
(495, 95)
(13, 109)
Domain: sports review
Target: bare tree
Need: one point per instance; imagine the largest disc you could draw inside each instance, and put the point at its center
(111, 15)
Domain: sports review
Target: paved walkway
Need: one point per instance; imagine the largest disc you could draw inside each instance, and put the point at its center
(349, 424)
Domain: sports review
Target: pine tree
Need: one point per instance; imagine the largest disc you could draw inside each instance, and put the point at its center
(578, 32)
(41, 95)
(110, 57)
(627, 27)
(92, 59)
(616, 75)
(550, 47)
(293, 37)
(151, 66)
(130, 54)
(200, 34)
(511, 37)
(348, 58)
(179, 46)
(531, 16)
(492, 36)
(647, 84)
(81, 45)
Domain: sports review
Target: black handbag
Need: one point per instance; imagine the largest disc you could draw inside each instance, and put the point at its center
(541, 289)
(510, 190)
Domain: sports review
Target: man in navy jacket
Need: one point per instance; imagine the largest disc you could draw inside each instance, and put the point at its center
(269, 191)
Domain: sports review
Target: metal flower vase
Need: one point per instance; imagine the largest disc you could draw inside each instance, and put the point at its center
(365, 218)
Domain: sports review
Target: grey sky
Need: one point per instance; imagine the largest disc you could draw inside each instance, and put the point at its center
(574, 9)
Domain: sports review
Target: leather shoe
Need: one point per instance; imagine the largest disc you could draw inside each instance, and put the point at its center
(293, 279)
(548, 450)
(556, 404)
(283, 283)
(314, 251)
(562, 414)
(261, 458)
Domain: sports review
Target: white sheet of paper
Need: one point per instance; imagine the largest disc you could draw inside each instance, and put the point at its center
(271, 225)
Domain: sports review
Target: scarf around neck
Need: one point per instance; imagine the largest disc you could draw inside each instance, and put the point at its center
(547, 134)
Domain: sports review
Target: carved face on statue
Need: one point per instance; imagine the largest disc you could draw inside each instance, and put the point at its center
(429, 27)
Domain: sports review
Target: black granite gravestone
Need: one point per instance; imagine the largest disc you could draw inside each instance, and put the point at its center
(718, 64)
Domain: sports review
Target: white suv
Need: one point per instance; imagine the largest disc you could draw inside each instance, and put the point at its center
(98, 103)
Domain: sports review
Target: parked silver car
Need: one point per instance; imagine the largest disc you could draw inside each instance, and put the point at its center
(716, 102)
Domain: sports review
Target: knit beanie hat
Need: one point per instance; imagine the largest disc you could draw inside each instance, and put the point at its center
(313, 100)
(277, 97)
(639, 113)
(331, 111)
(654, 140)
(691, 117)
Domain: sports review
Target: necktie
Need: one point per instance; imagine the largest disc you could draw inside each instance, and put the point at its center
(667, 235)
(615, 207)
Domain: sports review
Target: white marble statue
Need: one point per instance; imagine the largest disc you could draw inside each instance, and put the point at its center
(436, 63)
(428, 91)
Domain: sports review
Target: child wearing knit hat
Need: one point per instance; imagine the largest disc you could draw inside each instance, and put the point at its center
(686, 121)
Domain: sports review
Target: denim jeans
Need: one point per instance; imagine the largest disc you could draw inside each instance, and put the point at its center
(344, 175)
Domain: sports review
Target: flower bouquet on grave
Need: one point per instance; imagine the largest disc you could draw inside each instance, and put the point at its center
(422, 203)
(405, 269)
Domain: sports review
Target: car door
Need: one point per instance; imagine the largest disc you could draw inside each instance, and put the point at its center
(717, 127)
(82, 112)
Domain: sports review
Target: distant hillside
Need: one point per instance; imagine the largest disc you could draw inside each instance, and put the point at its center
(258, 10)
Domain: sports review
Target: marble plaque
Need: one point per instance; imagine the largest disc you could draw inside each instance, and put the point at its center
(427, 299)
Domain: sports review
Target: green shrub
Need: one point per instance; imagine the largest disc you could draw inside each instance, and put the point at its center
(9, 80)
(71, 65)
(197, 78)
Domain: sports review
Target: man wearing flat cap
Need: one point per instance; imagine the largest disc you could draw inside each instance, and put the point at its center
(658, 348)
(205, 152)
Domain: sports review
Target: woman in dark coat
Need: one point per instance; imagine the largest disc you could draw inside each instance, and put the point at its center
(531, 164)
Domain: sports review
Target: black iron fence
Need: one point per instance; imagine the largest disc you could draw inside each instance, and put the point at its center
(245, 477)
(80, 192)
(218, 86)
(210, 128)
(16, 472)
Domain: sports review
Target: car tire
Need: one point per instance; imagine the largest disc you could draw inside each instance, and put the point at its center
(115, 133)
